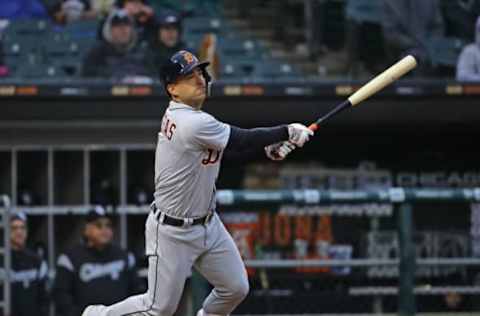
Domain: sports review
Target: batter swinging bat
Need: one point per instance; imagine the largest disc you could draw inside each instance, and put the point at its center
(373, 86)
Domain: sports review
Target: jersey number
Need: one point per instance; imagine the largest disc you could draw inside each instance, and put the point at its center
(213, 156)
(169, 129)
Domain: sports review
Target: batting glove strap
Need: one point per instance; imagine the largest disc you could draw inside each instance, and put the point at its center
(299, 134)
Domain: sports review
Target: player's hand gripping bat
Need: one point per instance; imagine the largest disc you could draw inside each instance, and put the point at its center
(373, 86)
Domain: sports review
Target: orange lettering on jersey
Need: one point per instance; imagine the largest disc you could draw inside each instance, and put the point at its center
(213, 156)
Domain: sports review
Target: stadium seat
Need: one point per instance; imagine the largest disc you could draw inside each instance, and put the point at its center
(444, 51)
(257, 69)
(60, 46)
(236, 47)
(37, 71)
(201, 25)
(237, 69)
(67, 66)
(274, 70)
(362, 11)
(81, 29)
(27, 27)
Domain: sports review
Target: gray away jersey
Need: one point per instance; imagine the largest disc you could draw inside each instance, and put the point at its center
(187, 161)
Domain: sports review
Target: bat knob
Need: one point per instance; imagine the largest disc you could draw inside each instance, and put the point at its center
(313, 127)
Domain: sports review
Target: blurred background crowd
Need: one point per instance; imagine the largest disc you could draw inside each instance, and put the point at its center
(272, 40)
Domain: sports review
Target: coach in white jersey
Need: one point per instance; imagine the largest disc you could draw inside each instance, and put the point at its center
(183, 229)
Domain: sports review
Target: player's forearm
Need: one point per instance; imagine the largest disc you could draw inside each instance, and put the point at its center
(255, 138)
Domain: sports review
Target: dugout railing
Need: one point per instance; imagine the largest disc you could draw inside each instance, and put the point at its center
(401, 199)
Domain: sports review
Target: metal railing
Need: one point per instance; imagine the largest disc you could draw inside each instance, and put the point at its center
(401, 198)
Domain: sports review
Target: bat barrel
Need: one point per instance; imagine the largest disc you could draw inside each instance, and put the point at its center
(384, 79)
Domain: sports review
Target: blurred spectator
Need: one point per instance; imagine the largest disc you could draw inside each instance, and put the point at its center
(3, 67)
(468, 67)
(140, 12)
(167, 39)
(23, 9)
(143, 15)
(120, 55)
(66, 11)
(102, 7)
(408, 26)
(29, 273)
(95, 271)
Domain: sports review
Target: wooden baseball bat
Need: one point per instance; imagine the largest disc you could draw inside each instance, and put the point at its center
(373, 86)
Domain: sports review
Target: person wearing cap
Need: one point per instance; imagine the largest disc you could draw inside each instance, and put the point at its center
(68, 11)
(28, 273)
(141, 13)
(168, 38)
(95, 270)
(119, 55)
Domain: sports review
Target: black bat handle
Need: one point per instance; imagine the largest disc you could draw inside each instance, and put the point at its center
(339, 108)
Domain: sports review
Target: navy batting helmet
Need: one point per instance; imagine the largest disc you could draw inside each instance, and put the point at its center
(183, 63)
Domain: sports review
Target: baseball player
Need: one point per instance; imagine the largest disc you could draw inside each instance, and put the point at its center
(183, 229)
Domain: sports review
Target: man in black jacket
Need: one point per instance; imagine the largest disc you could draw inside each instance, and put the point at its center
(28, 275)
(119, 55)
(95, 271)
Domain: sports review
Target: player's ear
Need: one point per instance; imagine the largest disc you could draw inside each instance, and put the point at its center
(171, 88)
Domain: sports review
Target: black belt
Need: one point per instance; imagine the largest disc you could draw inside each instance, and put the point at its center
(179, 222)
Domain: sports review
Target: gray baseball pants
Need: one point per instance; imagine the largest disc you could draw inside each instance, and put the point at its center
(172, 252)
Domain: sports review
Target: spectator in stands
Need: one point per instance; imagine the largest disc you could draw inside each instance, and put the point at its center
(23, 9)
(140, 12)
(168, 38)
(143, 15)
(468, 67)
(119, 56)
(103, 7)
(28, 273)
(408, 26)
(95, 271)
(3, 67)
(66, 11)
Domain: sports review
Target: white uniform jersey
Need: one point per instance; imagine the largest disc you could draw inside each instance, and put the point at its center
(187, 161)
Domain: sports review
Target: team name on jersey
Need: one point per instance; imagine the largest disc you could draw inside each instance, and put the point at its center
(91, 271)
(27, 277)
